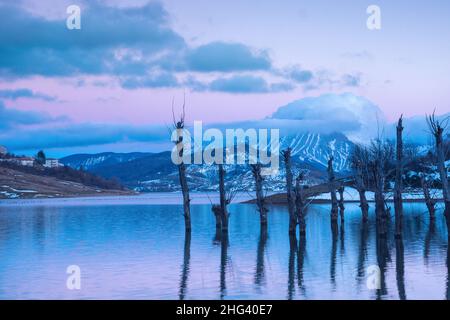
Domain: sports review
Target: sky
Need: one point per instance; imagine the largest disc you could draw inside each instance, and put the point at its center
(109, 86)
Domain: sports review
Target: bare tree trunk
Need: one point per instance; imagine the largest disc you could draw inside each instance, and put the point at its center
(380, 204)
(260, 201)
(438, 132)
(341, 190)
(186, 199)
(223, 199)
(398, 189)
(179, 127)
(331, 181)
(429, 201)
(300, 205)
(361, 187)
(218, 215)
(290, 194)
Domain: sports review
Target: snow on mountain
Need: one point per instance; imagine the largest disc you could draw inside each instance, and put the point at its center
(90, 161)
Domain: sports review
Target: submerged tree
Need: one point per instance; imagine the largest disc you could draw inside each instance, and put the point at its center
(360, 166)
(398, 189)
(341, 190)
(289, 189)
(429, 201)
(437, 128)
(380, 156)
(224, 215)
(300, 204)
(332, 187)
(179, 127)
(260, 199)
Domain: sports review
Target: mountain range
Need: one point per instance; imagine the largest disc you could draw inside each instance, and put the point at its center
(156, 172)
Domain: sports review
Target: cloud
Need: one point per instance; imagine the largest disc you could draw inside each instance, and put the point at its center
(138, 47)
(10, 118)
(356, 116)
(158, 80)
(239, 84)
(24, 93)
(80, 135)
(298, 74)
(351, 80)
(226, 57)
(36, 46)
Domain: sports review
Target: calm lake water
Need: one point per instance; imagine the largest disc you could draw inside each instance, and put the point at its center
(134, 248)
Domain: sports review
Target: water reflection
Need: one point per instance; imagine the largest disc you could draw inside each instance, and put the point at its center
(141, 252)
(362, 254)
(383, 257)
(185, 267)
(400, 268)
(259, 272)
(291, 266)
(224, 243)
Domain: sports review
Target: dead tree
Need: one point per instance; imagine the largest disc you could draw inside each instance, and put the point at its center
(437, 128)
(332, 186)
(223, 199)
(341, 190)
(179, 127)
(398, 189)
(218, 215)
(360, 163)
(429, 201)
(300, 204)
(380, 155)
(260, 199)
(289, 189)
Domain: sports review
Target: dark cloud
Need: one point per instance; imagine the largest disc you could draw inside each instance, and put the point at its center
(81, 135)
(226, 57)
(240, 84)
(10, 118)
(36, 46)
(24, 93)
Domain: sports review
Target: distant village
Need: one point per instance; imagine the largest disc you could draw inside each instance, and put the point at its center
(39, 159)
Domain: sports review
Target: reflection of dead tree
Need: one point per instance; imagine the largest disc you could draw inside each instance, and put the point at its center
(179, 127)
(398, 189)
(437, 128)
(289, 188)
(360, 165)
(341, 190)
(429, 201)
(300, 203)
(260, 199)
(331, 181)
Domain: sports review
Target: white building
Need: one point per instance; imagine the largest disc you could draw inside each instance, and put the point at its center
(3, 150)
(25, 161)
(52, 163)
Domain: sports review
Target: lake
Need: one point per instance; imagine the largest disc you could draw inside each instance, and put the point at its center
(135, 248)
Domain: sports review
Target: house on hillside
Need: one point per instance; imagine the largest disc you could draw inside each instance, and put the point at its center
(3, 151)
(52, 163)
(25, 161)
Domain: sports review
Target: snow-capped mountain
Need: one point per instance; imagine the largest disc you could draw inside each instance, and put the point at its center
(156, 172)
(316, 148)
(90, 161)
